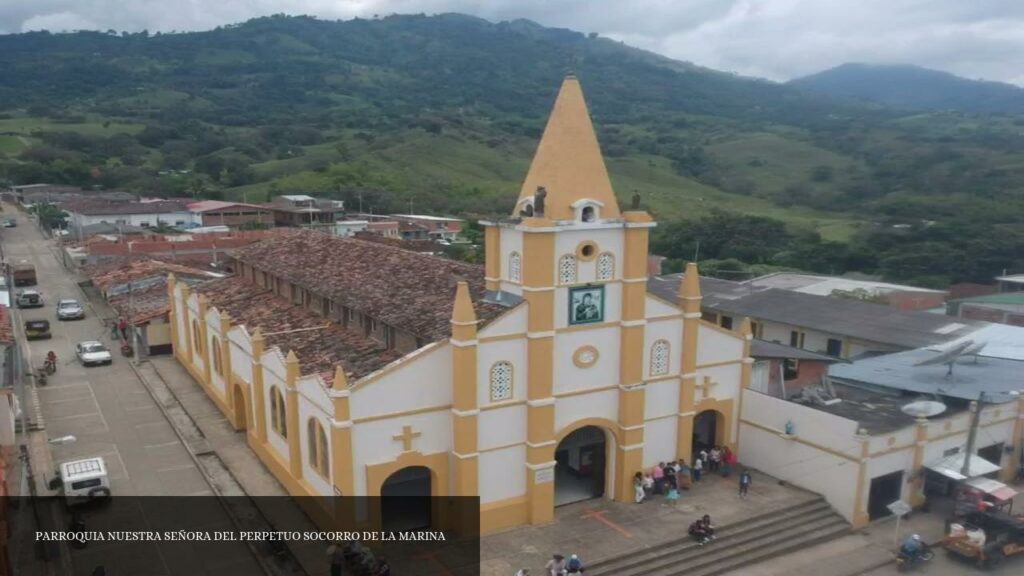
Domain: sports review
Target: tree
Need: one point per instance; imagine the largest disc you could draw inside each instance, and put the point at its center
(51, 216)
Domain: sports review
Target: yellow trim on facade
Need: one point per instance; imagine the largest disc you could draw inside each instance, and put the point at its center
(581, 257)
(577, 356)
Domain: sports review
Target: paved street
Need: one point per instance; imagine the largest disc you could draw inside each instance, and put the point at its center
(106, 407)
(112, 415)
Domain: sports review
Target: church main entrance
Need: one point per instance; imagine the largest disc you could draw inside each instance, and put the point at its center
(580, 466)
(405, 499)
(706, 428)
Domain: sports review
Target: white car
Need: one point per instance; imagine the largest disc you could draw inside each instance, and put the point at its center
(93, 353)
(69, 309)
(84, 480)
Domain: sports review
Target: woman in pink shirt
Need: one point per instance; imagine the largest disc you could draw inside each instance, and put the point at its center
(658, 473)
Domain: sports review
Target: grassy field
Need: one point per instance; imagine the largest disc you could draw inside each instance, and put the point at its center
(421, 162)
(29, 125)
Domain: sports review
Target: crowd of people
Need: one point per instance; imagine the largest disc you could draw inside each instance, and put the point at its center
(669, 478)
(356, 559)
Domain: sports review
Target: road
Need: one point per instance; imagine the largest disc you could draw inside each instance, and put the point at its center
(111, 414)
(106, 407)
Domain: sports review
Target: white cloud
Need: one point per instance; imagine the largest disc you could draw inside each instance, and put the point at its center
(776, 39)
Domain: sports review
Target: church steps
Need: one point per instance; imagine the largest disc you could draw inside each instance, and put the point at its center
(674, 550)
(717, 559)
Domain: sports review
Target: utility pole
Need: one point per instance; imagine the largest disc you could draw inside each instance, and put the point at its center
(972, 434)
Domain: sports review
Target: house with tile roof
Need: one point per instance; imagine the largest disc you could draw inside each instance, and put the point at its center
(547, 376)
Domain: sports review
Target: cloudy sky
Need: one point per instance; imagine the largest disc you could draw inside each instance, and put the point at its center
(777, 39)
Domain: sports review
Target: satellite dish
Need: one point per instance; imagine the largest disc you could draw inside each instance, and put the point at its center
(948, 355)
(923, 408)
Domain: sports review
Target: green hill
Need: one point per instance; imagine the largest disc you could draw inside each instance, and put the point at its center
(445, 111)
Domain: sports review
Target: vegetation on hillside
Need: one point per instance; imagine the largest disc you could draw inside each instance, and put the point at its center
(441, 114)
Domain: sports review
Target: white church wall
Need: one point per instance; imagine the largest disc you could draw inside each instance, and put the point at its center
(411, 385)
(717, 345)
(501, 427)
(660, 440)
(727, 378)
(502, 474)
(241, 354)
(899, 461)
(607, 240)
(657, 308)
(490, 353)
(603, 404)
(833, 477)
(373, 442)
(512, 322)
(213, 340)
(193, 314)
(813, 425)
(568, 377)
(661, 398)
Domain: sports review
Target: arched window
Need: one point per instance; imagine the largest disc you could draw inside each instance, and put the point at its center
(605, 266)
(515, 267)
(659, 358)
(588, 214)
(501, 381)
(197, 337)
(218, 363)
(567, 269)
(277, 412)
(316, 446)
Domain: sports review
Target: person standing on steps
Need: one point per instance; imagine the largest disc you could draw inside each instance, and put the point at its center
(745, 481)
(638, 487)
(658, 473)
(715, 459)
(698, 468)
(556, 566)
(575, 565)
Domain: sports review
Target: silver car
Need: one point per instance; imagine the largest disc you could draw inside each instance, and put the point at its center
(93, 353)
(69, 309)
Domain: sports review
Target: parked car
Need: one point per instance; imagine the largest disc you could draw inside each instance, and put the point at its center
(29, 299)
(84, 481)
(70, 309)
(10, 223)
(93, 353)
(37, 329)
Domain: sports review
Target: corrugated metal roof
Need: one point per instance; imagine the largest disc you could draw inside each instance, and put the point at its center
(857, 319)
(997, 377)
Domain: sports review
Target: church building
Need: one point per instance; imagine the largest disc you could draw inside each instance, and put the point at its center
(547, 376)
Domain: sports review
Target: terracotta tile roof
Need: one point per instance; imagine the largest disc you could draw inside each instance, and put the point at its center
(143, 305)
(148, 298)
(6, 328)
(319, 343)
(411, 291)
(106, 277)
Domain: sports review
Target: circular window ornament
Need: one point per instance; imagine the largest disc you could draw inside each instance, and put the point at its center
(585, 357)
(586, 251)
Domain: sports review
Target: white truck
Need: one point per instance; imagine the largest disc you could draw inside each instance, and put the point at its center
(84, 480)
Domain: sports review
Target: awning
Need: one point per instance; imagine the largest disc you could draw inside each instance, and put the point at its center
(994, 488)
(950, 466)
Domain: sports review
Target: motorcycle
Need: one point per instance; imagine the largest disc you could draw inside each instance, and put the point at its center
(906, 562)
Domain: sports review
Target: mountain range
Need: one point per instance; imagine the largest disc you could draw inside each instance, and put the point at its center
(443, 112)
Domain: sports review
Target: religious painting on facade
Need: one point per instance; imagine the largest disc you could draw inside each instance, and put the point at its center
(586, 304)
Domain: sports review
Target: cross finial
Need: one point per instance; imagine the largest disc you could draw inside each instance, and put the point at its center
(407, 436)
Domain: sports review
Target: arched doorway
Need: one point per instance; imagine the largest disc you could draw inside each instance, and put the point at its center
(241, 408)
(707, 430)
(405, 499)
(581, 463)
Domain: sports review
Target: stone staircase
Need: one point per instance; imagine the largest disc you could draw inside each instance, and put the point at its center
(737, 545)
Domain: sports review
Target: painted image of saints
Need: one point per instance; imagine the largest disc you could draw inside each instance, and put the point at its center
(587, 306)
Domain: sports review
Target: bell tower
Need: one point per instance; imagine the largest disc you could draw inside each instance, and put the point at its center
(580, 265)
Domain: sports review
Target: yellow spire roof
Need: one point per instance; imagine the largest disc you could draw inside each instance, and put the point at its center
(568, 162)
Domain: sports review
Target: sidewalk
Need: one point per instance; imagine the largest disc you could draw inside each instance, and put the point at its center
(599, 529)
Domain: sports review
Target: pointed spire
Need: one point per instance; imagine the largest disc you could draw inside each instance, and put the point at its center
(462, 311)
(292, 358)
(340, 381)
(291, 366)
(568, 162)
(690, 286)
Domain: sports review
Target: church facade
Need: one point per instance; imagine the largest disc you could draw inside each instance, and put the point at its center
(547, 376)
